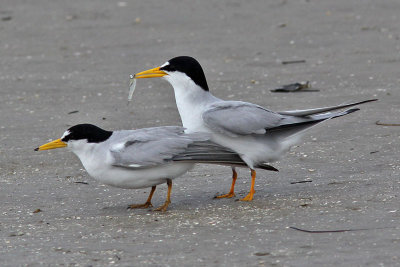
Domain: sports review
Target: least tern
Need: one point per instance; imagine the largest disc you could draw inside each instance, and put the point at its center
(144, 157)
(255, 133)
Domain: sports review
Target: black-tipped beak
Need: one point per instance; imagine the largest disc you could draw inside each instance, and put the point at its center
(52, 145)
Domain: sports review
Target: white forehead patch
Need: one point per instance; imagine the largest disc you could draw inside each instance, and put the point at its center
(165, 64)
(65, 134)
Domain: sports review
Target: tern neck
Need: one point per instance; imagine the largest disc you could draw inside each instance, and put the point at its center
(82, 149)
(89, 156)
(191, 100)
(193, 94)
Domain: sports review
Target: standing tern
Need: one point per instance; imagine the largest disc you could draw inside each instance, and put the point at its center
(144, 157)
(255, 133)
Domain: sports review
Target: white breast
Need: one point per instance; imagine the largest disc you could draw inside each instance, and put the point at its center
(141, 178)
(191, 101)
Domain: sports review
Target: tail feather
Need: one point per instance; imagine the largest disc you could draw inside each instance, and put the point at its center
(290, 129)
(266, 166)
(307, 112)
(232, 163)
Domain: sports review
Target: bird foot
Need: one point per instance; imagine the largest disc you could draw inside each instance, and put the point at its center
(140, 206)
(249, 197)
(229, 195)
(164, 207)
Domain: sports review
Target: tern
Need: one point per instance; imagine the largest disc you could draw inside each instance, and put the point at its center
(144, 157)
(254, 132)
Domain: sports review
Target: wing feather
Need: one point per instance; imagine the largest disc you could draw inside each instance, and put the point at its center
(236, 118)
(307, 112)
(151, 146)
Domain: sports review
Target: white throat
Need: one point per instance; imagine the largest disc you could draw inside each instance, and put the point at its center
(191, 100)
(83, 150)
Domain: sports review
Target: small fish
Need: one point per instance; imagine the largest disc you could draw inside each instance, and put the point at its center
(132, 86)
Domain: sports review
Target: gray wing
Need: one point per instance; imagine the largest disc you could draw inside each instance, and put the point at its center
(240, 118)
(307, 112)
(208, 152)
(152, 146)
(296, 124)
(236, 118)
(212, 153)
(299, 120)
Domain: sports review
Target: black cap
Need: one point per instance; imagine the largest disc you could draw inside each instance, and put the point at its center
(191, 67)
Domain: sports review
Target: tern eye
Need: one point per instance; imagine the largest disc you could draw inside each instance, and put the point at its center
(67, 138)
(169, 68)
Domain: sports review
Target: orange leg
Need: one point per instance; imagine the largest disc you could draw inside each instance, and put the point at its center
(250, 195)
(232, 191)
(145, 205)
(165, 206)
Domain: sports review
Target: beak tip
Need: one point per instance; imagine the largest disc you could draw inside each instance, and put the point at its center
(36, 149)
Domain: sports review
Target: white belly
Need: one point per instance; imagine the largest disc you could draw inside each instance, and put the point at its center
(138, 178)
(253, 149)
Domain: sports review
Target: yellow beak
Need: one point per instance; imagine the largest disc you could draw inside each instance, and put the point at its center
(52, 145)
(152, 73)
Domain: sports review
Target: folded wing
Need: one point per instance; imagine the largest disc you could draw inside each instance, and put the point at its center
(235, 118)
(307, 112)
(152, 146)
